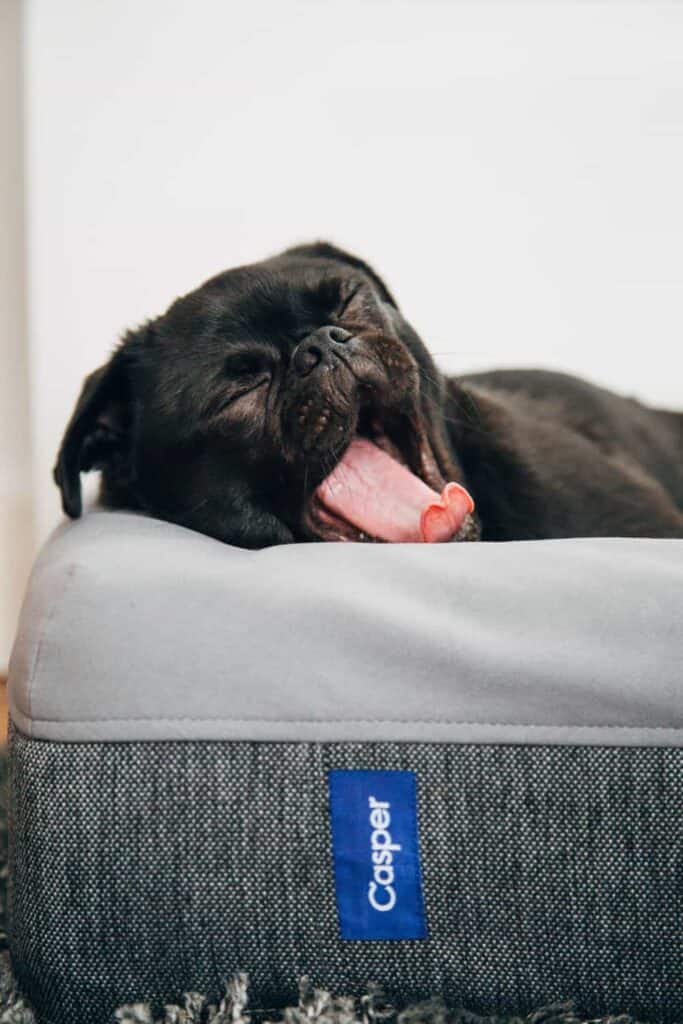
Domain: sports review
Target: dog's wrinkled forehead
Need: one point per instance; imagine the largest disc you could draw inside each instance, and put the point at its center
(241, 316)
(267, 307)
(269, 301)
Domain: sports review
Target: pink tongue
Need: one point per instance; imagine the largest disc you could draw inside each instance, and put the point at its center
(375, 493)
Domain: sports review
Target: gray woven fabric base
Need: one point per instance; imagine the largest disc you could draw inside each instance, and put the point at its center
(144, 870)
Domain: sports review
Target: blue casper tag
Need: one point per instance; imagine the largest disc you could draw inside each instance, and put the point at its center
(377, 855)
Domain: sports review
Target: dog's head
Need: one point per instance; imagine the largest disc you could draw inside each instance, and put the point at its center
(287, 400)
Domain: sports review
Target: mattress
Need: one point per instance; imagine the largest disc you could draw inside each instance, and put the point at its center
(450, 769)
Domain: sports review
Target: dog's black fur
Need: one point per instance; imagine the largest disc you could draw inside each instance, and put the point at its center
(226, 413)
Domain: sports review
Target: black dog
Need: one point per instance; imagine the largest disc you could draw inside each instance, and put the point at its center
(290, 400)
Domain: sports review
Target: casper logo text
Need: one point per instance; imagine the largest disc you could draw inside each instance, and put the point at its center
(381, 890)
(376, 854)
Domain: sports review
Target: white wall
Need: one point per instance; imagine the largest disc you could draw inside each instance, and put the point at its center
(16, 527)
(515, 170)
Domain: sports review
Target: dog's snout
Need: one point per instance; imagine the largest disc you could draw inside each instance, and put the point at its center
(337, 335)
(318, 349)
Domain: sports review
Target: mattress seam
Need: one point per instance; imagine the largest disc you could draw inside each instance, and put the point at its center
(356, 721)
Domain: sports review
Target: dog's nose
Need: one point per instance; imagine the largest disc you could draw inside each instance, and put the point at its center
(318, 349)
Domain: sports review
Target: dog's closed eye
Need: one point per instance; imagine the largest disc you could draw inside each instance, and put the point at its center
(245, 366)
(243, 374)
(348, 299)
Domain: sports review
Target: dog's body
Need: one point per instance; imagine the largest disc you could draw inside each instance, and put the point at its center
(548, 455)
(290, 400)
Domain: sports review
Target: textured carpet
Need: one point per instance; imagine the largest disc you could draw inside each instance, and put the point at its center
(316, 1006)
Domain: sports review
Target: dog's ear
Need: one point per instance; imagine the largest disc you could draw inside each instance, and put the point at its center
(327, 251)
(98, 430)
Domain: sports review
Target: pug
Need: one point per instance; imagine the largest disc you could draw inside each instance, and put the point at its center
(290, 400)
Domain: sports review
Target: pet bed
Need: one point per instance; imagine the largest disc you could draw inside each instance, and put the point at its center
(454, 769)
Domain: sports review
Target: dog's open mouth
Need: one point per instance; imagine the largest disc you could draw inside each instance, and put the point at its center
(383, 490)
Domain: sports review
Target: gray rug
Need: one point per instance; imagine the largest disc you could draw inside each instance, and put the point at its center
(316, 1006)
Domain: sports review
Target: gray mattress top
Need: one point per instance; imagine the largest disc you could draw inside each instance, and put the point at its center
(134, 629)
